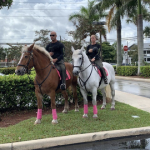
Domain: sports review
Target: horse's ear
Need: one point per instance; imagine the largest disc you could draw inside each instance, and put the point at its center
(82, 48)
(72, 48)
(31, 47)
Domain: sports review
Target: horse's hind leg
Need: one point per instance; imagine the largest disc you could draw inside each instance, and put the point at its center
(39, 111)
(66, 107)
(74, 89)
(113, 95)
(53, 106)
(104, 98)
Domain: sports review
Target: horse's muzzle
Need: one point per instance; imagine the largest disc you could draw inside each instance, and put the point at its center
(20, 71)
(76, 73)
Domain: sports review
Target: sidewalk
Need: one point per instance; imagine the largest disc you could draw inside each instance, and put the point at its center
(131, 99)
(139, 102)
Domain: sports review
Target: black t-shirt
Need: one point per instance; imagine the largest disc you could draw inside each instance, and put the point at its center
(58, 50)
(95, 53)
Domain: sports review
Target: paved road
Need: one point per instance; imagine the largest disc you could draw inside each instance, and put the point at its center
(134, 87)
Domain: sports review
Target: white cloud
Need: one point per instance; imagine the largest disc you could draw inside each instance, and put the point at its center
(32, 16)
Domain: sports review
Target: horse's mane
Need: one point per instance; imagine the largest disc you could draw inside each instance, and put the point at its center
(38, 48)
(44, 51)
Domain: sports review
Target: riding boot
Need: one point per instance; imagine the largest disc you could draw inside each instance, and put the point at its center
(63, 85)
(104, 75)
(63, 77)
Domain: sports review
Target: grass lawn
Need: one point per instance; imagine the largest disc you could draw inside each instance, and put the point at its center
(73, 123)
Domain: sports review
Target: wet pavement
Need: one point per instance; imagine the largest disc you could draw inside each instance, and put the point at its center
(133, 142)
(134, 87)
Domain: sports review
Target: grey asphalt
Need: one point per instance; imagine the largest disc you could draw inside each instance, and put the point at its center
(137, 101)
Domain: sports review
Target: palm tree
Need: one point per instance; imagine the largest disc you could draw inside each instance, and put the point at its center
(117, 10)
(84, 22)
(113, 21)
(131, 11)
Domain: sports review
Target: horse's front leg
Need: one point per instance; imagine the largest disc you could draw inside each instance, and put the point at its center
(84, 94)
(104, 98)
(53, 106)
(66, 107)
(94, 102)
(39, 111)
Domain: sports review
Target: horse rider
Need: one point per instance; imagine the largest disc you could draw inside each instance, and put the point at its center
(56, 50)
(93, 52)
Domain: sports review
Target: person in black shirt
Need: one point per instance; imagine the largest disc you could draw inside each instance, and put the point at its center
(56, 50)
(93, 52)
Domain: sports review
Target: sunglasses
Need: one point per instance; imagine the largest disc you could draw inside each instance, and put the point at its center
(52, 35)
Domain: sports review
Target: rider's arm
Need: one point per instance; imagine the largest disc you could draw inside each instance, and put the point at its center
(97, 51)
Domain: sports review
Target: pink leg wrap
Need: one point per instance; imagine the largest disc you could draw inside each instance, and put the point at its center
(95, 109)
(54, 114)
(39, 114)
(85, 109)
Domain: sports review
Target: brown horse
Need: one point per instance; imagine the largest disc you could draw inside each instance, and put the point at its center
(47, 79)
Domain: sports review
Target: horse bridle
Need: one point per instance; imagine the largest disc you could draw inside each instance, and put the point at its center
(30, 57)
(80, 79)
(26, 66)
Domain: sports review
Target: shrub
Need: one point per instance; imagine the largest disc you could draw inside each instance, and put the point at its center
(6, 71)
(145, 71)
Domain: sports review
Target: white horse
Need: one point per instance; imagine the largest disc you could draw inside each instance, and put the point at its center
(89, 80)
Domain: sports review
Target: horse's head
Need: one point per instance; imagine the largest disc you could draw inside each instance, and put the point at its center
(77, 58)
(25, 63)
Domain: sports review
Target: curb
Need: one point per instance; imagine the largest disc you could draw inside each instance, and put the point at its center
(73, 139)
(129, 78)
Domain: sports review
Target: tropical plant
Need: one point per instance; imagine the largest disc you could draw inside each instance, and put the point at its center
(5, 3)
(83, 21)
(146, 31)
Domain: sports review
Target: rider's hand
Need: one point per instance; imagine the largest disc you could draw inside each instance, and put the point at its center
(54, 60)
(51, 53)
(91, 50)
(93, 59)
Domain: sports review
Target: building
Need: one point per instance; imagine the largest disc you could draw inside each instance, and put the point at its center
(146, 53)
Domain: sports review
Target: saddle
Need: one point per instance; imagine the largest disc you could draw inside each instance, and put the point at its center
(58, 72)
(99, 72)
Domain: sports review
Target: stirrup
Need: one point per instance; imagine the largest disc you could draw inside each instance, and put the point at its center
(63, 86)
(105, 81)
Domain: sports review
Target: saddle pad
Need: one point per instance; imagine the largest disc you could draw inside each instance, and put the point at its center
(67, 75)
(100, 72)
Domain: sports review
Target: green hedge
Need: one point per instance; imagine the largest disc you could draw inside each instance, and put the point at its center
(127, 70)
(7, 71)
(18, 92)
(145, 71)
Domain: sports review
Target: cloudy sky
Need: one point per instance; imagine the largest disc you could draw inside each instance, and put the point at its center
(19, 23)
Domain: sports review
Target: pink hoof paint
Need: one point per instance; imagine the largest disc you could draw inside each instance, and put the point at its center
(94, 109)
(39, 114)
(54, 114)
(85, 109)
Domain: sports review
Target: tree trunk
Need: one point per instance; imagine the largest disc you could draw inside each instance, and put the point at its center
(101, 46)
(140, 38)
(119, 54)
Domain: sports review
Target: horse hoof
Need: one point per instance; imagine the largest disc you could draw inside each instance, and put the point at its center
(64, 111)
(85, 116)
(102, 108)
(76, 110)
(112, 108)
(54, 121)
(38, 121)
(95, 116)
